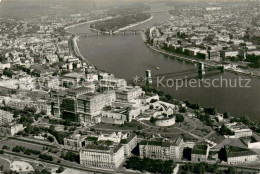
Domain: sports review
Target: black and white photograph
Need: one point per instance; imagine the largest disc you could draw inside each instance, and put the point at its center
(129, 86)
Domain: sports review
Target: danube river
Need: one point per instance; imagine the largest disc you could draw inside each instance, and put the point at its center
(127, 56)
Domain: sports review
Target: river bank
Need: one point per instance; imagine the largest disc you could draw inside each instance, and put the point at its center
(133, 25)
(75, 38)
(76, 50)
(192, 60)
(87, 22)
(123, 28)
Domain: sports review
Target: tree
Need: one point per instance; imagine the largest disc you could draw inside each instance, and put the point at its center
(6, 147)
(151, 107)
(43, 112)
(8, 73)
(11, 172)
(16, 113)
(60, 170)
(52, 128)
(244, 120)
(153, 100)
(182, 109)
(153, 120)
(210, 111)
(231, 170)
(44, 171)
(226, 115)
(199, 168)
(70, 156)
(37, 116)
(169, 97)
(32, 110)
(46, 157)
(179, 118)
(50, 138)
(150, 165)
(225, 131)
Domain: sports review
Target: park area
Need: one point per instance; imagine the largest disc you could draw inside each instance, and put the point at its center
(21, 166)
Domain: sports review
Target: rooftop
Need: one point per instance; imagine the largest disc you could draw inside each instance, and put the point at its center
(233, 151)
(73, 75)
(89, 96)
(103, 146)
(200, 149)
(128, 139)
(79, 90)
(161, 142)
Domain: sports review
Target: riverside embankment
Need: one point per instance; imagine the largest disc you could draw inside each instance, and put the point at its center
(193, 60)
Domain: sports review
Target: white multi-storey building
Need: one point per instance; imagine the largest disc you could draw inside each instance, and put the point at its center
(129, 141)
(239, 130)
(129, 94)
(102, 155)
(112, 84)
(237, 155)
(163, 149)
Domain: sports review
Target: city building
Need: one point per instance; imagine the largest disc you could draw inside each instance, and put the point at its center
(214, 55)
(5, 117)
(73, 79)
(203, 54)
(161, 148)
(114, 137)
(74, 142)
(129, 141)
(57, 98)
(229, 54)
(83, 102)
(164, 121)
(21, 104)
(90, 105)
(200, 153)
(11, 129)
(239, 130)
(251, 142)
(238, 155)
(129, 94)
(112, 118)
(112, 84)
(102, 154)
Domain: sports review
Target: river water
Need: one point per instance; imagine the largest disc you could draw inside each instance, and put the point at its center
(127, 56)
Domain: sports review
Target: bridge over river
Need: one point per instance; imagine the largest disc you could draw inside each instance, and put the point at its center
(96, 32)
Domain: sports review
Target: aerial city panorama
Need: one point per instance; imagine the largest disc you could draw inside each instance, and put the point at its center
(130, 86)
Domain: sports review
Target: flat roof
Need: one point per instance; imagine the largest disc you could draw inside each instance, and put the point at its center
(89, 96)
(233, 151)
(200, 149)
